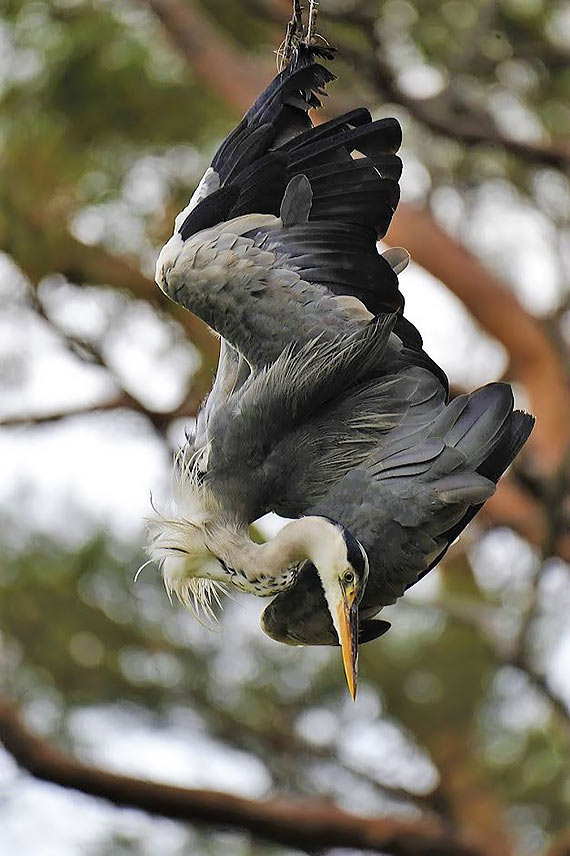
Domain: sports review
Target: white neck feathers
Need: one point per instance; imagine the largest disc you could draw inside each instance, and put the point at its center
(217, 551)
(312, 538)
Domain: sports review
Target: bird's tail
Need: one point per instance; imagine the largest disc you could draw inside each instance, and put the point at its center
(484, 427)
(488, 434)
(492, 438)
(456, 462)
(481, 432)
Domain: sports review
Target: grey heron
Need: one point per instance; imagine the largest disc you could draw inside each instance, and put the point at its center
(325, 407)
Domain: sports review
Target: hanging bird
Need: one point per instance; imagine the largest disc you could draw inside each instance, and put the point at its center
(325, 406)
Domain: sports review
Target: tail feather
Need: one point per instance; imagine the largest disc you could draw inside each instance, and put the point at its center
(477, 434)
(512, 439)
(514, 436)
(481, 422)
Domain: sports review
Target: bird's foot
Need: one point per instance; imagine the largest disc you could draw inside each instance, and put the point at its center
(296, 34)
(293, 36)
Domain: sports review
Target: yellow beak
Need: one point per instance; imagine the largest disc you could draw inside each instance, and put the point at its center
(347, 616)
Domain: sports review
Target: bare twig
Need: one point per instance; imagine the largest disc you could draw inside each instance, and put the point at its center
(482, 617)
(464, 611)
(305, 825)
(540, 683)
(20, 420)
(90, 353)
(553, 512)
(292, 35)
(123, 401)
(83, 264)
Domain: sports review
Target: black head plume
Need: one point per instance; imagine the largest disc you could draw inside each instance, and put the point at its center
(355, 552)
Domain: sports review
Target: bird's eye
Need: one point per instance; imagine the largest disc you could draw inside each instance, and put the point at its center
(348, 577)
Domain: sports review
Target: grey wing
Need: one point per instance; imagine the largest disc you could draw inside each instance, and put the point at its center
(280, 112)
(343, 433)
(263, 280)
(263, 284)
(255, 302)
(407, 503)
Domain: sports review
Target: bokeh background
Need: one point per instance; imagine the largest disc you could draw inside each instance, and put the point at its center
(110, 111)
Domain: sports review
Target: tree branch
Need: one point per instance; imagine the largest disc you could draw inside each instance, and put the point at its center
(277, 739)
(476, 615)
(555, 523)
(483, 618)
(122, 401)
(118, 401)
(305, 825)
(540, 683)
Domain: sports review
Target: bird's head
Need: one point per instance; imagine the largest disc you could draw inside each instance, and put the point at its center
(342, 566)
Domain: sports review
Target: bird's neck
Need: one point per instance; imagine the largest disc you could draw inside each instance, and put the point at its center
(270, 567)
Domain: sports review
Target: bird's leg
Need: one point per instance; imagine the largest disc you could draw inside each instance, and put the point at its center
(312, 20)
(292, 36)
